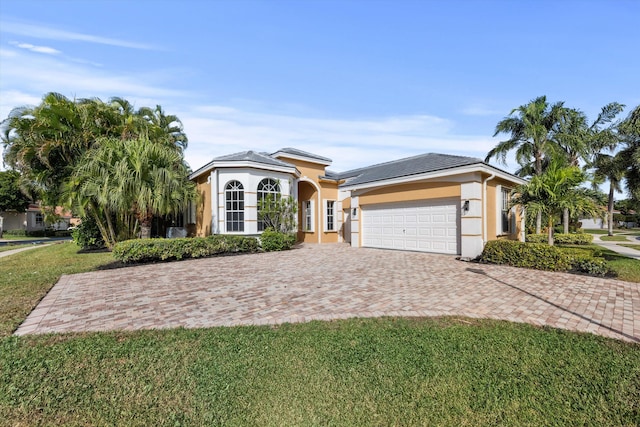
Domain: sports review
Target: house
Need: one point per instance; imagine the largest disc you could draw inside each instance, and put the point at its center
(33, 219)
(430, 202)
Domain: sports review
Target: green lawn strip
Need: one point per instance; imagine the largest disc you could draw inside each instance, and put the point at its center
(28, 276)
(615, 238)
(12, 246)
(630, 245)
(596, 231)
(9, 237)
(388, 371)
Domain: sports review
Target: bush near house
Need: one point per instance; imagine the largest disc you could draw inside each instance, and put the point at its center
(154, 250)
(18, 232)
(272, 240)
(562, 239)
(541, 256)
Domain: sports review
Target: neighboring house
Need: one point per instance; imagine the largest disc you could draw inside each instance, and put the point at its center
(33, 219)
(431, 202)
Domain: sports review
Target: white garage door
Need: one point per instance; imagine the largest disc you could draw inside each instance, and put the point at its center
(427, 226)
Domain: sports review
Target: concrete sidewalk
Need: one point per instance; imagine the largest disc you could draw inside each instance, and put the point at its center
(614, 246)
(15, 251)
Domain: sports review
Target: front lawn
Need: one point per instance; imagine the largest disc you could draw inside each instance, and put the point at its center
(12, 246)
(386, 371)
(27, 277)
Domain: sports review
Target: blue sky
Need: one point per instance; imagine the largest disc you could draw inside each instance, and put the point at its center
(357, 81)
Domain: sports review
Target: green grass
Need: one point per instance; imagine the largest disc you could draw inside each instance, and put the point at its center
(597, 231)
(12, 246)
(627, 269)
(630, 245)
(28, 276)
(386, 371)
(18, 238)
(614, 238)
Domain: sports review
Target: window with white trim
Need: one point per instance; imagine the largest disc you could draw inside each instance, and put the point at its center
(234, 198)
(330, 215)
(39, 219)
(266, 187)
(307, 218)
(504, 212)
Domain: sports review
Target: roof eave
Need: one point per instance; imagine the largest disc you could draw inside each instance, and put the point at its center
(458, 170)
(219, 164)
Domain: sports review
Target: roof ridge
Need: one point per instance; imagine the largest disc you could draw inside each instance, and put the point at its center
(404, 159)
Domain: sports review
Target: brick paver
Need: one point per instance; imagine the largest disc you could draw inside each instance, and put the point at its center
(323, 282)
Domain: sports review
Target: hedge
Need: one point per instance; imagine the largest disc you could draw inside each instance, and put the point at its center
(153, 250)
(541, 256)
(272, 240)
(562, 239)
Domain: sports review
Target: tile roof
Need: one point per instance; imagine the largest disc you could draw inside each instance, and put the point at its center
(423, 163)
(252, 156)
(296, 152)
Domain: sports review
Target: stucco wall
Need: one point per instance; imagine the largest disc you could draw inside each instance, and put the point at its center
(412, 191)
(203, 208)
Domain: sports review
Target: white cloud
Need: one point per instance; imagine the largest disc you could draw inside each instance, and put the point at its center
(48, 33)
(38, 49)
(219, 130)
(37, 75)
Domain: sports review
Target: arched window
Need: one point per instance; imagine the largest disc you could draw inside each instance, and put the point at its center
(266, 187)
(234, 196)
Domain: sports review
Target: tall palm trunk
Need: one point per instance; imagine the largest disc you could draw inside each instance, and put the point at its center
(565, 220)
(610, 210)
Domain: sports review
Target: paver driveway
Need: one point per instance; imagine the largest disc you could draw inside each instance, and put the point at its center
(331, 282)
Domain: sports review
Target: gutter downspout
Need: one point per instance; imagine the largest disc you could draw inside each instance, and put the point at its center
(484, 208)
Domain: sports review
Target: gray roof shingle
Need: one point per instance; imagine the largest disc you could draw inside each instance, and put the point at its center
(430, 162)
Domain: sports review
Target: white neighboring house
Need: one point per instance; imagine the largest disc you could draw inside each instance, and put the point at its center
(33, 219)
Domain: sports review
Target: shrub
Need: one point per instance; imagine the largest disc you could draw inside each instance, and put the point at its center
(272, 240)
(87, 234)
(528, 255)
(540, 256)
(153, 250)
(18, 232)
(562, 239)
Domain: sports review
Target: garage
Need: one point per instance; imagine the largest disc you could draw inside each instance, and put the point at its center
(425, 226)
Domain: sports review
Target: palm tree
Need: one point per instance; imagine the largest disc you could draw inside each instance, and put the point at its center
(610, 168)
(131, 180)
(553, 191)
(578, 141)
(532, 128)
(163, 125)
(630, 134)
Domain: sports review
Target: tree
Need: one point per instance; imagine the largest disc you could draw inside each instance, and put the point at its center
(604, 137)
(127, 182)
(532, 128)
(12, 198)
(629, 131)
(278, 213)
(46, 141)
(554, 190)
(578, 141)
